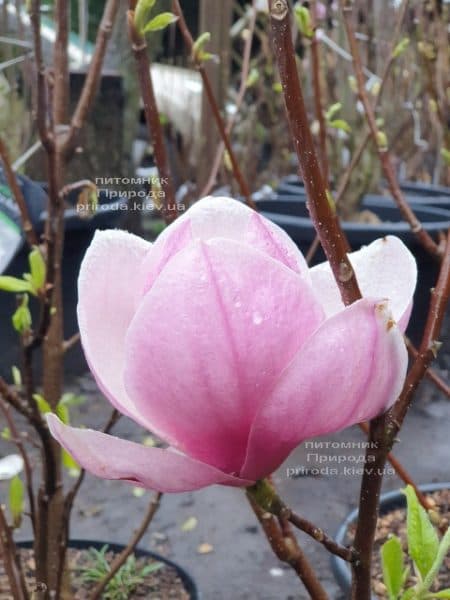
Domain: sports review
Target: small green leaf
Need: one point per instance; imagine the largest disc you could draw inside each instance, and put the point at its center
(71, 399)
(409, 594)
(17, 376)
(143, 8)
(334, 108)
(70, 464)
(303, 20)
(16, 500)
(63, 413)
(277, 87)
(159, 22)
(253, 78)
(198, 52)
(6, 434)
(37, 269)
(340, 124)
(42, 404)
(21, 318)
(400, 47)
(445, 155)
(423, 542)
(13, 284)
(393, 566)
(382, 140)
(442, 594)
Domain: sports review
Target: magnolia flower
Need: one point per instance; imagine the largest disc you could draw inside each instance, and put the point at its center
(220, 340)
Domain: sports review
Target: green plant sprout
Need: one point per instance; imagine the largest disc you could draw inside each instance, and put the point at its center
(426, 552)
(124, 582)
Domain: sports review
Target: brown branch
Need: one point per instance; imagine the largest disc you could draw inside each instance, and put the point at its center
(11, 561)
(375, 461)
(131, 546)
(265, 495)
(71, 342)
(401, 472)
(17, 440)
(18, 196)
(288, 552)
(320, 204)
(383, 153)
(318, 108)
(245, 69)
(61, 63)
(189, 42)
(140, 51)
(41, 95)
(93, 76)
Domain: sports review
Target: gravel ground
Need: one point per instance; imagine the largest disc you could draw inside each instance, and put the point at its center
(239, 564)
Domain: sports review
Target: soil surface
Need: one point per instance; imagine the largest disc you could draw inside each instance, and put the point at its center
(213, 533)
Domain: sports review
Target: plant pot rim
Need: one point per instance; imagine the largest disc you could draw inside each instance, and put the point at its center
(388, 502)
(85, 543)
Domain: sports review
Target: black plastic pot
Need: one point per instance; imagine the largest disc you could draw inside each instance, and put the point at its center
(185, 577)
(79, 233)
(388, 502)
(292, 216)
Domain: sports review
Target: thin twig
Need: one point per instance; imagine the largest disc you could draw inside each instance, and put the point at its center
(18, 196)
(71, 342)
(429, 346)
(17, 439)
(93, 76)
(245, 69)
(287, 552)
(268, 499)
(140, 51)
(357, 154)
(130, 548)
(189, 42)
(381, 145)
(11, 562)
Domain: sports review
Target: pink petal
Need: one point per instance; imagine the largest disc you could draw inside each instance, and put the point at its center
(384, 269)
(109, 457)
(352, 369)
(218, 217)
(208, 342)
(108, 287)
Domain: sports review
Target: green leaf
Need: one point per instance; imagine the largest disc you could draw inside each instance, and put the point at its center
(13, 284)
(400, 47)
(159, 22)
(143, 8)
(442, 594)
(43, 406)
(303, 20)
(21, 318)
(253, 78)
(277, 87)
(409, 594)
(442, 552)
(392, 561)
(6, 434)
(423, 542)
(334, 108)
(198, 52)
(63, 413)
(37, 269)
(445, 155)
(70, 464)
(17, 376)
(71, 399)
(16, 500)
(340, 124)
